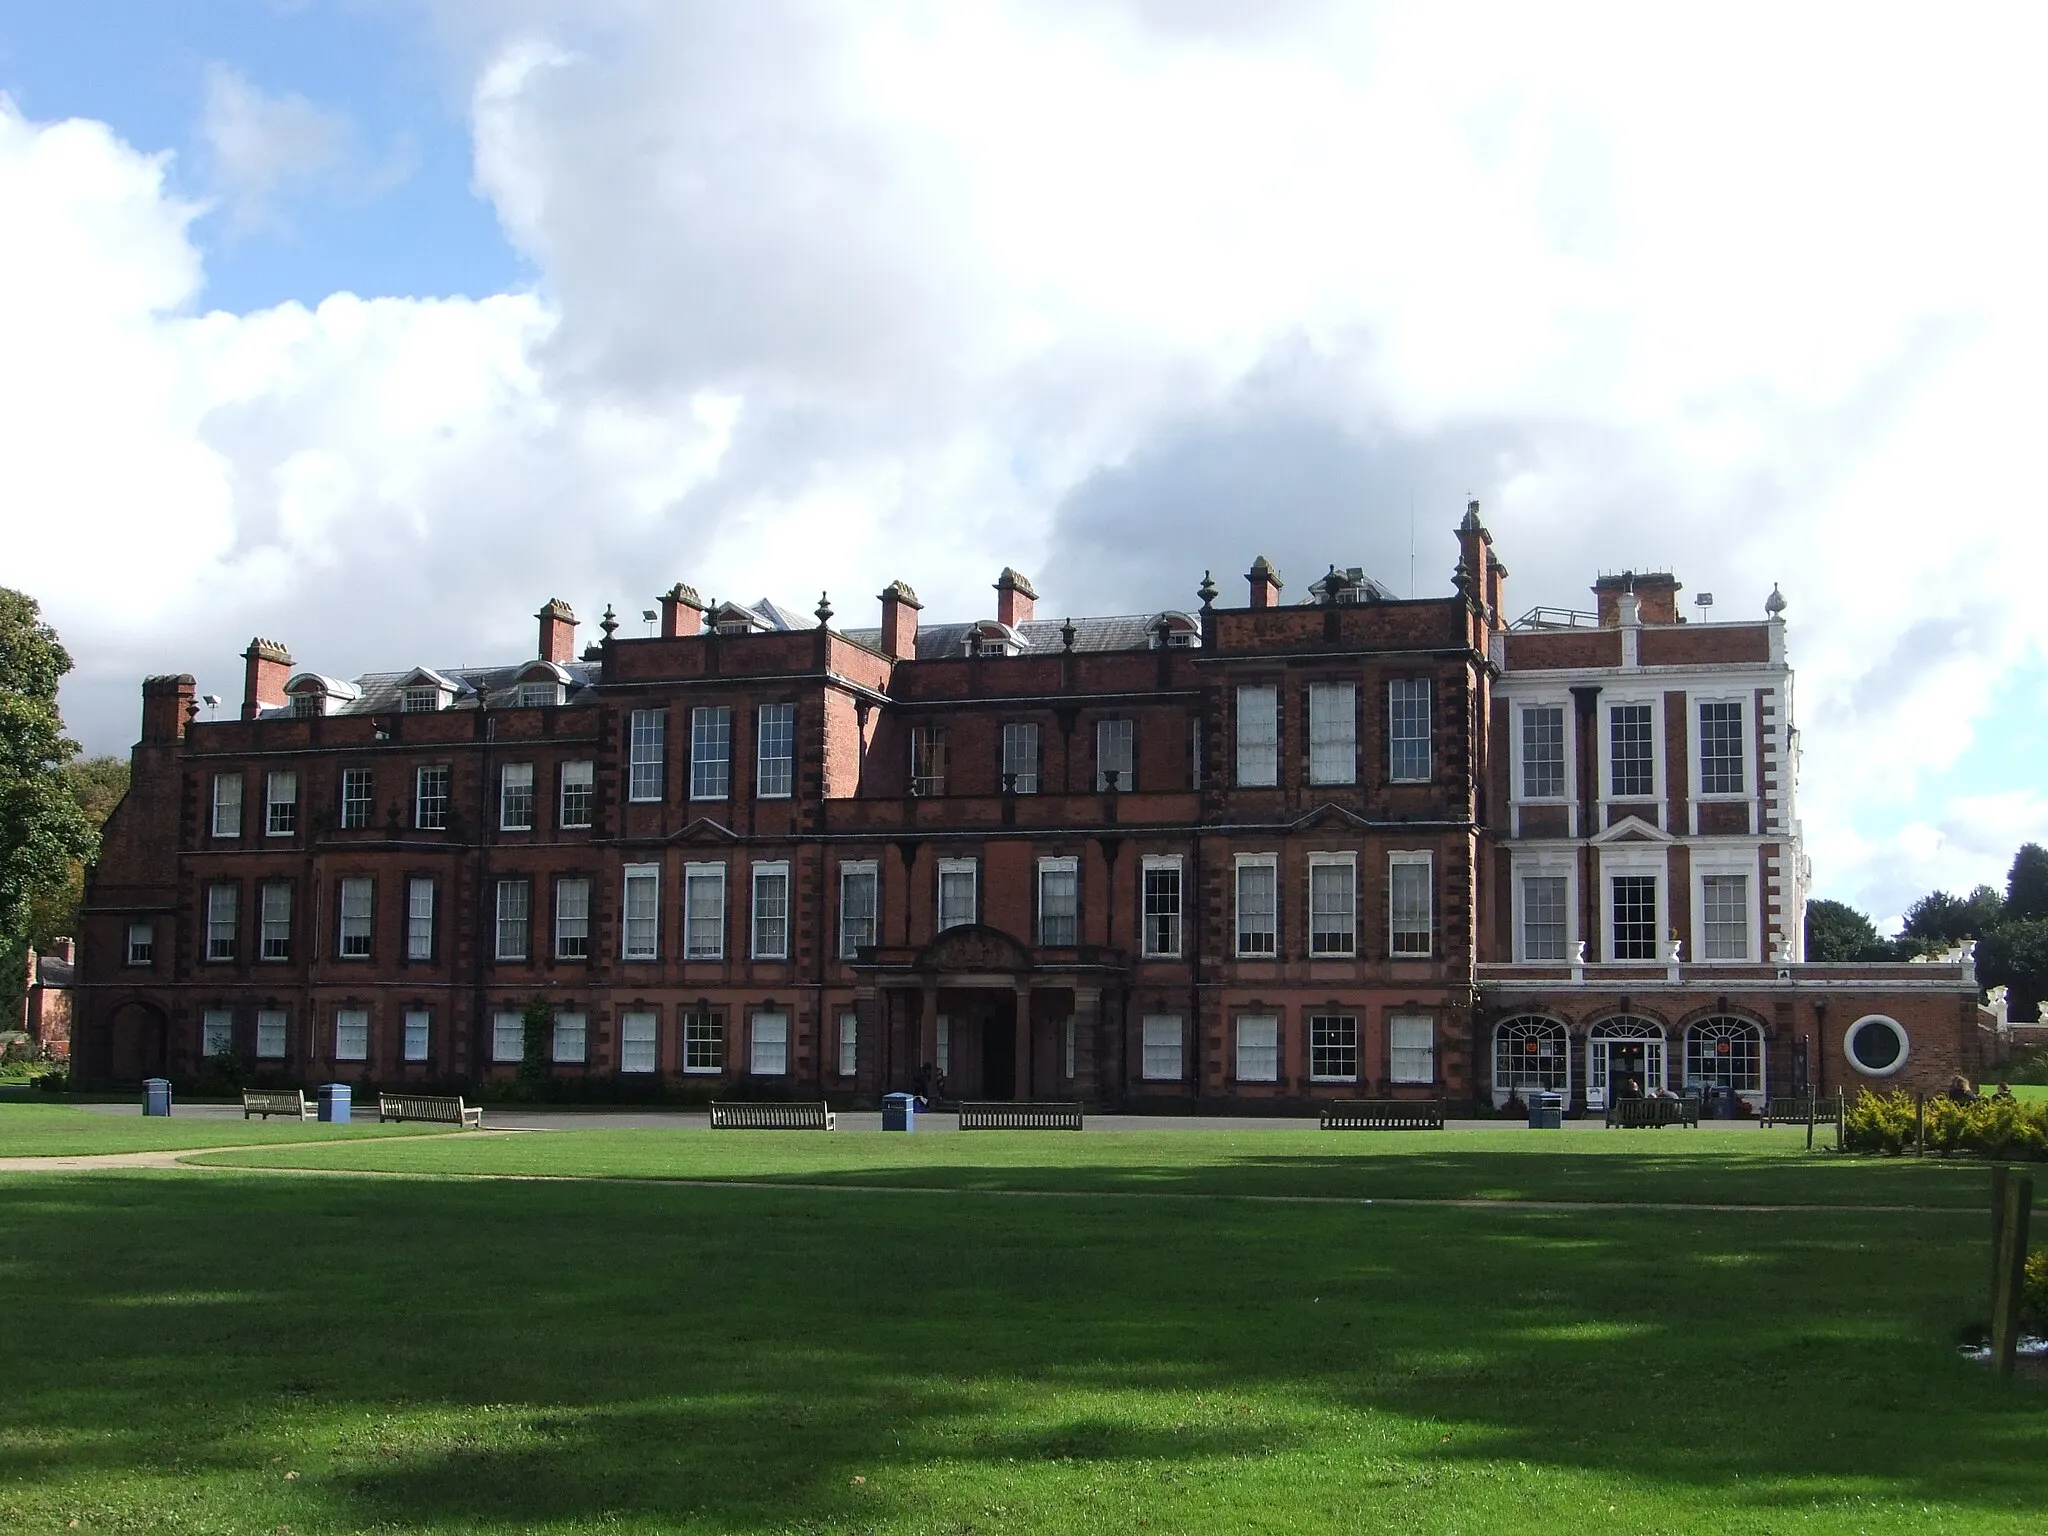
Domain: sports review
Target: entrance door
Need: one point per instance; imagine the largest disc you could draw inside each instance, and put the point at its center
(1626, 1060)
(998, 1055)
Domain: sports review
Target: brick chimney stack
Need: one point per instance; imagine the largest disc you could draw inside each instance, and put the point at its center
(1655, 594)
(1015, 598)
(899, 621)
(269, 669)
(1475, 546)
(167, 705)
(682, 612)
(1266, 583)
(557, 632)
(64, 948)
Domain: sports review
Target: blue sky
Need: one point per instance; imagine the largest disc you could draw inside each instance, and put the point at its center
(780, 297)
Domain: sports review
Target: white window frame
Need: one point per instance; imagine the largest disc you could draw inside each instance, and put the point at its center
(141, 944)
(1708, 863)
(927, 760)
(1654, 702)
(770, 929)
(216, 1032)
(1697, 706)
(503, 915)
(421, 699)
(706, 875)
(1333, 733)
(1395, 740)
(227, 807)
(572, 927)
(1566, 778)
(851, 870)
(281, 803)
(768, 1045)
(646, 747)
(223, 921)
(1620, 861)
(1357, 1047)
(569, 1044)
(418, 1039)
(639, 1041)
(1148, 866)
(1116, 747)
(273, 1034)
(1270, 862)
(1071, 868)
(954, 870)
(1257, 1055)
(1426, 862)
(942, 1047)
(355, 907)
(711, 752)
(274, 920)
(419, 917)
(536, 695)
(775, 777)
(849, 1044)
(1410, 1062)
(579, 774)
(1540, 867)
(355, 808)
(1258, 736)
(439, 803)
(351, 1034)
(706, 1033)
(508, 1038)
(1327, 940)
(1154, 1046)
(1020, 755)
(515, 797)
(640, 931)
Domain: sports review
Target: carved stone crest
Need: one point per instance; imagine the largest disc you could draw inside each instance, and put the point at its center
(974, 947)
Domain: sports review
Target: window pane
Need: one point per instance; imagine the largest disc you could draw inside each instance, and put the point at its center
(928, 760)
(1258, 736)
(579, 794)
(356, 897)
(352, 1035)
(1257, 909)
(221, 902)
(1020, 758)
(1058, 902)
(515, 797)
(1721, 749)
(270, 1034)
(227, 805)
(771, 1045)
(1114, 754)
(1332, 926)
(281, 801)
(1162, 1055)
(515, 912)
(1543, 753)
(1412, 904)
(418, 1034)
(1543, 917)
(1408, 754)
(1332, 733)
(1530, 1052)
(776, 751)
(637, 1042)
(710, 752)
(1635, 917)
(1631, 753)
(642, 935)
(141, 943)
(1725, 1052)
(572, 919)
(771, 911)
(508, 1037)
(704, 912)
(569, 1038)
(849, 1044)
(355, 797)
(1258, 1050)
(1724, 900)
(956, 892)
(216, 1032)
(419, 919)
(1333, 1048)
(858, 885)
(1162, 907)
(277, 921)
(1413, 1050)
(430, 799)
(645, 742)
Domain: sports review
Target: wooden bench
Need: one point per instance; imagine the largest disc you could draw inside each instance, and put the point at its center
(1797, 1111)
(1020, 1117)
(771, 1117)
(277, 1101)
(1384, 1115)
(1642, 1114)
(410, 1106)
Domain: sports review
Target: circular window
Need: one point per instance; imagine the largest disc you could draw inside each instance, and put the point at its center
(1876, 1046)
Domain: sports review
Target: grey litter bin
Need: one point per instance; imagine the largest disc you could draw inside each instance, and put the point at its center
(899, 1111)
(156, 1096)
(1546, 1111)
(334, 1103)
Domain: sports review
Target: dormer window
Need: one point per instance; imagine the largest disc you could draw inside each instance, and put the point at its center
(1175, 631)
(305, 704)
(310, 694)
(422, 701)
(733, 627)
(537, 695)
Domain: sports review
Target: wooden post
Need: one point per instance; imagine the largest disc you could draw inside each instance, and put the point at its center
(1841, 1116)
(1920, 1125)
(1999, 1175)
(2012, 1274)
(1812, 1105)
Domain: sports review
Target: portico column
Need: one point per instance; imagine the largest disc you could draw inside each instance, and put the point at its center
(928, 1030)
(1089, 1066)
(1023, 1033)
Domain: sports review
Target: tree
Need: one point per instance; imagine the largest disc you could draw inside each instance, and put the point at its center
(2014, 955)
(1837, 931)
(1939, 919)
(98, 783)
(2026, 888)
(43, 828)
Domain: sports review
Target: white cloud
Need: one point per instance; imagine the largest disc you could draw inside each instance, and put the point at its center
(261, 147)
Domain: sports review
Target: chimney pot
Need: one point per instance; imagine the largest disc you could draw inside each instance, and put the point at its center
(1015, 598)
(682, 612)
(899, 621)
(1265, 583)
(557, 632)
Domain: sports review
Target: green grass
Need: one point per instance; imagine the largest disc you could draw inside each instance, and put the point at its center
(2028, 1093)
(1747, 1166)
(245, 1352)
(58, 1130)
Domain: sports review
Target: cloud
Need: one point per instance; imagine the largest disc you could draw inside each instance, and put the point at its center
(261, 148)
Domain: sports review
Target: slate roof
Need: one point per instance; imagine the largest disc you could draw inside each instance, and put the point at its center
(1129, 632)
(382, 690)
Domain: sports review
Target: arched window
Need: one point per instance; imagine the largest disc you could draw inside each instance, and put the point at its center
(1725, 1052)
(1622, 1050)
(1530, 1052)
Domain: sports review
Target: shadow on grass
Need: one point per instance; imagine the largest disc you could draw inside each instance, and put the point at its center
(429, 1355)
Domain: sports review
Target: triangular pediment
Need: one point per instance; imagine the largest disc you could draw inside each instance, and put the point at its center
(1329, 815)
(705, 830)
(1633, 829)
(974, 947)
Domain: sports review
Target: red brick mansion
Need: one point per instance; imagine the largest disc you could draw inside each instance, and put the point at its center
(1252, 854)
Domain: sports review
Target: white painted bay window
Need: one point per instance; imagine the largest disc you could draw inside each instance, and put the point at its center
(216, 1032)
(419, 1032)
(419, 918)
(1115, 755)
(357, 910)
(570, 1039)
(1409, 758)
(508, 1038)
(515, 797)
(1020, 757)
(578, 796)
(514, 919)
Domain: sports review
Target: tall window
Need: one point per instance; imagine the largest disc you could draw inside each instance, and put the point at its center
(277, 921)
(419, 918)
(572, 1038)
(281, 804)
(1543, 752)
(1332, 904)
(418, 1034)
(639, 1038)
(430, 798)
(221, 901)
(579, 795)
(645, 739)
(216, 1032)
(1161, 1060)
(771, 911)
(572, 919)
(771, 1045)
(859, 888)
(1161, 917)
(508, 1037)
(849, 1044)
(1544, 929)
(515, 919)
(1115, 753)
(703, 911)
(227, 805)
(352, 1034)
(1258, 1049)
(957, 879)
(1530, 1051)
(710, 752)
(515, 797)
(927, 759)
(1258, 736)
(270, 1034)
(1631, 754)
(1195, 753)
(1332, 733)
(1721, 749)
(1332, 1048)
(1408, 753)
(1020, 757)
(355, 797)
(1411, 905)
(641, 930)
(1725, 1052)
(1068, 1053)
(1059, 902)
(775, 752)
(141, 943)
(1258, 909)
(1412, 1048)
(355, 919)
(1635, 917)
(1724, 917)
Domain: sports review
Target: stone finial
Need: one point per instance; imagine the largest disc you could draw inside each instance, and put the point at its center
(609, 623)
(1067, 633)
(823, 610)
(1207, 590)
(1774, 605)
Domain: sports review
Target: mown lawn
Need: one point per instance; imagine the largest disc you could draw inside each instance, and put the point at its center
(1739, 1166)
(260, 1352)
(59, 1130)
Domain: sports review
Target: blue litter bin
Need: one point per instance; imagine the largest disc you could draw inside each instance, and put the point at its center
(1546, 1111)
(899, 1111)
(156, 1096)
(334, 1103)
(1723, 1102)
